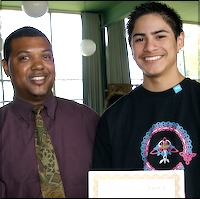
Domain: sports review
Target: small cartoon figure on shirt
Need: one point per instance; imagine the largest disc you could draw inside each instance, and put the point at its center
(164, 148)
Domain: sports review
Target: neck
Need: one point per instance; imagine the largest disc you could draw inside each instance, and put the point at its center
(159, 84)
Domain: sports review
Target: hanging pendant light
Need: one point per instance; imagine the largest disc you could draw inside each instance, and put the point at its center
(35, 8)
(88, 47)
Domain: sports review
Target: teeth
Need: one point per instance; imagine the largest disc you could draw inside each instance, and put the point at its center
(37, 78)
(152, 58)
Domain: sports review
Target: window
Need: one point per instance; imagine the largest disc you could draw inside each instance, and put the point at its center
(191, 66)
(188, 58)
(65, 33)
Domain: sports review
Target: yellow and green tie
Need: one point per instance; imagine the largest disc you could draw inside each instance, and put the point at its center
(50, 179)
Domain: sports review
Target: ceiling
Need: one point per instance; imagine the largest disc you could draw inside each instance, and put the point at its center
(112, 11)
(72, 6)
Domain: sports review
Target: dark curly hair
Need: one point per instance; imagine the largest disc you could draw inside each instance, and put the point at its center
(26, 31)
(171, 17)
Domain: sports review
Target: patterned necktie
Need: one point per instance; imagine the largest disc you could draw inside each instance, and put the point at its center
(50, 179)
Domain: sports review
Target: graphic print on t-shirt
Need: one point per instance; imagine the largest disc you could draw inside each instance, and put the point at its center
(166, 146)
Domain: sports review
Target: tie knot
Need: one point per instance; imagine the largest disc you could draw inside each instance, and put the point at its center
(37, 109)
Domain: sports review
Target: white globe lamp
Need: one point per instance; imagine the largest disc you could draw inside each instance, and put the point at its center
(88, 47)
(35, 8)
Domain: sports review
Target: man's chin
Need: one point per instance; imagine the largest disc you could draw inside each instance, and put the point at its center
(39, 95)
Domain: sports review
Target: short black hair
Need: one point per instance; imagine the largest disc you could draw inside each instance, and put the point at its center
(168, 14)
(26, 31)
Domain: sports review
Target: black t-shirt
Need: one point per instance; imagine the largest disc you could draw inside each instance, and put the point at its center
(153, 131)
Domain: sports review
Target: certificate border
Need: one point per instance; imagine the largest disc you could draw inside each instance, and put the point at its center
(158, 174)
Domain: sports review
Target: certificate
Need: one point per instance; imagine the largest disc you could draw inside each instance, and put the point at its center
(136, 184)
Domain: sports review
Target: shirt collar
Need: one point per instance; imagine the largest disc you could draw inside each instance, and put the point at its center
(24, 109)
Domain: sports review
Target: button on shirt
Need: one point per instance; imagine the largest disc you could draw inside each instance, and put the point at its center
(72, 128)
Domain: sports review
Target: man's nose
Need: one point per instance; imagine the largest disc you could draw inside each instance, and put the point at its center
(37, 64)
(150, 45)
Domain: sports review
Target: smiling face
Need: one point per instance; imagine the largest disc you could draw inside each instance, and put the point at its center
(31, 68)
(155, 47)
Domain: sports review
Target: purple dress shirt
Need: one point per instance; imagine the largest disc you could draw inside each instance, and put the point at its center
(72, 128)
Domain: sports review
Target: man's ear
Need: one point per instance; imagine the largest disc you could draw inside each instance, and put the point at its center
(180, 41)
(5, 67)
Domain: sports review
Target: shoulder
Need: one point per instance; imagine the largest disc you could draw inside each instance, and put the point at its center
(5, 108)
(192, 82)
(192, 85)
(125, 104)
(6, 112)
(74, 108)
